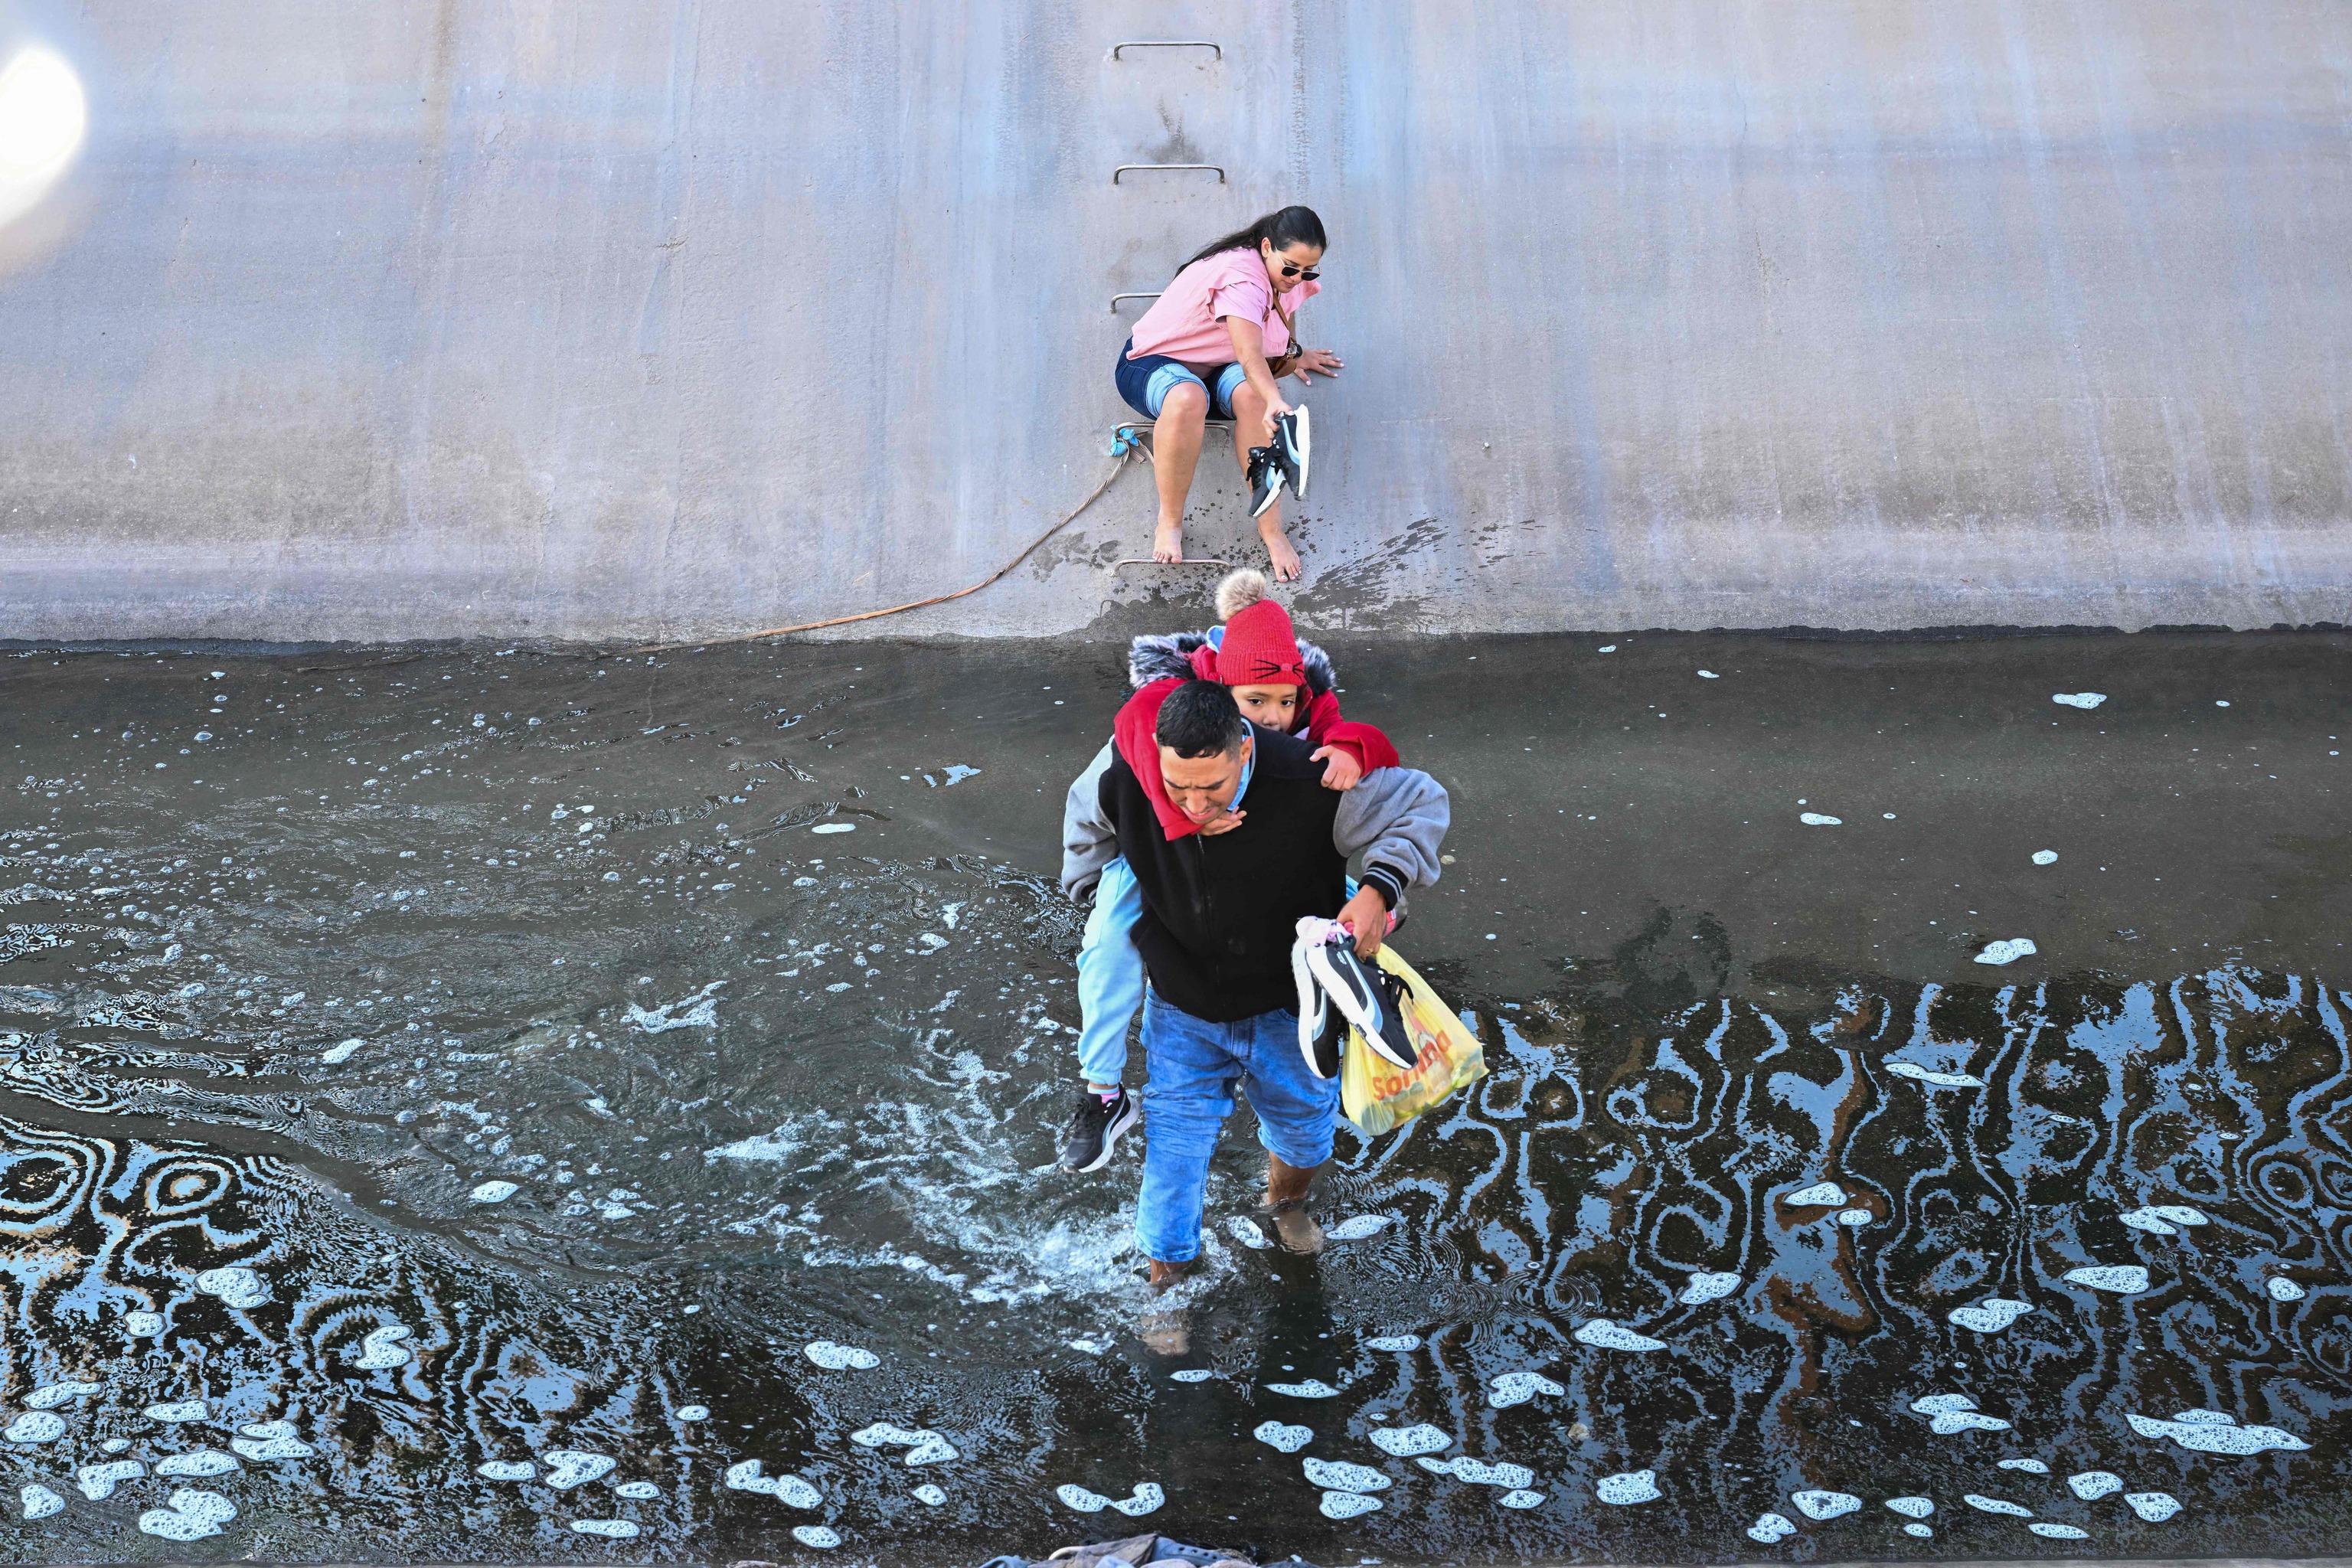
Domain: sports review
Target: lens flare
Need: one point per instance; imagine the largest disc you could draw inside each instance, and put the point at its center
(43, 115)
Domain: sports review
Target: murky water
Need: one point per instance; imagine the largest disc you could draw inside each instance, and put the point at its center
(455, 1130)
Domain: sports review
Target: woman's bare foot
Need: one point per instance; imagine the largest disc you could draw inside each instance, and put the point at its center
(1296, 1229)
(1165, 1275)
(1287, 566)
(1168, 541)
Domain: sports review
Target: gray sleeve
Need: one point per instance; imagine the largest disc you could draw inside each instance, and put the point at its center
(1089, 842)
(1396, 819)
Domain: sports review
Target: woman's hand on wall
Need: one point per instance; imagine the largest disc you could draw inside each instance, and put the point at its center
(1321, 361)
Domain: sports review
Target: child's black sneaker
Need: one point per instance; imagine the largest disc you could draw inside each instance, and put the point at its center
(1291, 448)
(1095, 1128)
(1266, 479)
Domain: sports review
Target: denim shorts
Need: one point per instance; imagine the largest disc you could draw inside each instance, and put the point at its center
(1144, 383)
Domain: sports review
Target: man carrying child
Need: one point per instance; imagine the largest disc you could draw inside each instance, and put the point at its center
(1231, 837)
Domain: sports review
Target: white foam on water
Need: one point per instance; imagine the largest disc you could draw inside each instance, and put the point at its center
(40, 1501)
(2153, 1507)
(1966, 1421)
(1708, 675)
(1770, 1528)
(2180, 1214)
(2030, 1467)
(840, 1358)
(1077, 1497)
(1312, 1388)
(1815, 819)
(1820, 1195)
(611, 1529)
(1361, 1227)
(2149, 1221)
(1146, 1498)
(815, 1535)
(1912, 1507)
(1605, 1335)
(177, 1410)
(49, 1396)
(504, 1471)
(239, 1288)
(266, 1442)
(1243, 1229)
(335, 1055)
(494, 1192)
(1705, 1287)
(2086, 701)
(639, 1491)
(2009, 950)
(1394, 1343)
(2045, 857)
(190, 1515)
(569, 1467)
(380, 1350)
(2204, 1418)
(1918, 1074)
(834, 827)
(1629, 1488)
(1984, 1504)
(1819, 1506)
(1517, 1387)
(142, 1325)
(699, 1011)
(2282, 1288)
(883, 1434)
(1920, 1530)
(1942, 1404)
(35, 1426)
(97, 1481)
(1347, 1505)
(198, 1462)
(694, 1413)
(2058, 1531)
(1335, 1475)
(2122, 1279)
(2210, 1439)
(1990, 1316)
(929, 1495)
(1289, 1439)
(933, 1449)
(1191, 1374)
(1853, 1217)
(1479, 1472)
(1404, 1442)
(2093, 1485)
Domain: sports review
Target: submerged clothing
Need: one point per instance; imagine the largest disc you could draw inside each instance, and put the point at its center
(1145, 383)
(1219, 913)
(1187, 322)
(1194, 1065)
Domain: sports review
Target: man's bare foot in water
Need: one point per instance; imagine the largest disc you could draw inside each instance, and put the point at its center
(1168, 541)
(1287, 566)
(1167, 1331)
(1165, 1275)
(1296, 1229)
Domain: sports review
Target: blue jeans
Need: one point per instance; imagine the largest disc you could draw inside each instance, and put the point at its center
(1110, 975)
(1194, 1065)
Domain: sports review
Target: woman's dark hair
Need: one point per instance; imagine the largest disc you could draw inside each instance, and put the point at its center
(1200, 718)
(1290, 227)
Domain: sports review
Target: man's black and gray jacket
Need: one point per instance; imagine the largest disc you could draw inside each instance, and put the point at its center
(1220, 913)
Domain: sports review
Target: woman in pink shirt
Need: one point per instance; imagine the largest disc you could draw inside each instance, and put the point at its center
(1215, 344)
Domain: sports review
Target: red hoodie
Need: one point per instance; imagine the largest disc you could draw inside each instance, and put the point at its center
(1134, 732)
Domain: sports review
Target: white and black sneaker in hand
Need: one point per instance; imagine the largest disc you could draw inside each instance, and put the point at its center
(1266, 479)
(1322, 1028)
(1094, 1128)
(1361, 994)
(1291, 449)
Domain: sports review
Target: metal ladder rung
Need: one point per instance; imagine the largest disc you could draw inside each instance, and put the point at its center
(1115, 298)
(1217, 169)
(1167, 44)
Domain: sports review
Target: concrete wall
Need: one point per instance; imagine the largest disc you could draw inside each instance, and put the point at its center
(597, 319)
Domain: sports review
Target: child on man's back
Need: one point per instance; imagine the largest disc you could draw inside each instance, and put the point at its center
(1279, 683)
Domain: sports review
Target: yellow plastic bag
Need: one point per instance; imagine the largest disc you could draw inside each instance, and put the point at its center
(1376, 1093)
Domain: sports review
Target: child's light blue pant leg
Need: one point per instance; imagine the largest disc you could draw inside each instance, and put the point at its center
(1110, 975)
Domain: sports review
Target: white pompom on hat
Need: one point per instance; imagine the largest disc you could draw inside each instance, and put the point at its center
(1240, 590)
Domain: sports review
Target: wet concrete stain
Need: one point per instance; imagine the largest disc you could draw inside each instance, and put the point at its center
(447, 1134)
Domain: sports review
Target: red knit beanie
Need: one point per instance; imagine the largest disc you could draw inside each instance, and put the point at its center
(1261, 649)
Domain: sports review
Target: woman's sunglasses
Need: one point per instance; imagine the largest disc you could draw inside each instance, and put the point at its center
(1304, 274)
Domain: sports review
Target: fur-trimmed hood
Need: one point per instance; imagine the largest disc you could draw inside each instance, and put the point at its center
(1150, 659)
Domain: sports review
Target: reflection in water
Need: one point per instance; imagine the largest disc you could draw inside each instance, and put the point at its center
(512, 1179)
